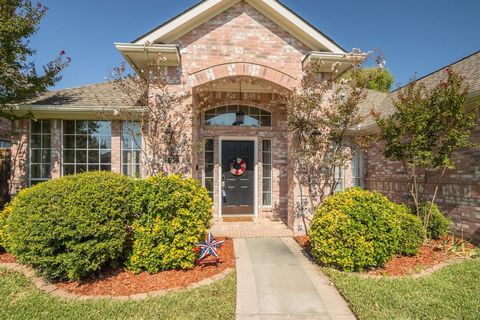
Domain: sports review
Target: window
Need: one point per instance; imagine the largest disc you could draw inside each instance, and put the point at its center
(87, 146)
(131, 149)
(357, 170)
(227, 116)
(339, 179)
(267, 172)
(209, 166)
(40, 151)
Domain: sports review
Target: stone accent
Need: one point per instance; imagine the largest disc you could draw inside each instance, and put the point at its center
(459, 193)
(20, 157)
(63, 294)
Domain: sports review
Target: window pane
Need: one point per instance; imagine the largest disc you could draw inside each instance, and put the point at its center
(93, 156)
(69, 142)
(46, 127)
(226, 116)
(46, 141)
(209, 170)
(81, 142)
(267, 199)
(81, 127)
(209, 145)
(209, 157)
(36, 141)
(105, 156)
(36, 156)
(69, 156)
(68, 169)
(36, 126)
(81, 168)
(81, 156)
(40, 151)
(105, 168)
(267, 171)
(69, 127)
(93, 142)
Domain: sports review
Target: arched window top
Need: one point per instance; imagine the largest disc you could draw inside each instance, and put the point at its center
(238, 116)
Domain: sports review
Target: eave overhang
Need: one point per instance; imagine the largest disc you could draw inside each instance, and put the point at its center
(342, 61)
(142, 56)
(67, 112)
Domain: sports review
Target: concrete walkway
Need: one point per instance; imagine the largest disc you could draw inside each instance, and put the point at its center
(276, 281)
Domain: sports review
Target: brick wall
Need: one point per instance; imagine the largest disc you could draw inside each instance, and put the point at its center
(459, 193)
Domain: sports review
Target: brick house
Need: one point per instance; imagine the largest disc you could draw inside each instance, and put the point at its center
(250, 55)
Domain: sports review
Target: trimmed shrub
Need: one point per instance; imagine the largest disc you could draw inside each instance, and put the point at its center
(438, 224)
(411, 234)
(74, 226)
(355, 230)
(175, 215)
(4, 215)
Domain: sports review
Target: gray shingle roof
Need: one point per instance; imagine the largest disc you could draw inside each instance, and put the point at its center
(92, 95)
(468, 67)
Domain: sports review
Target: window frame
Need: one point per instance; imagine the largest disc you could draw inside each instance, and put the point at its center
(270, 177)
(268, 114)
(87, 149)
(30, 153)
(132, 165)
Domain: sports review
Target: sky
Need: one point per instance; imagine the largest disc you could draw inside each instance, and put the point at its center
(416, 36)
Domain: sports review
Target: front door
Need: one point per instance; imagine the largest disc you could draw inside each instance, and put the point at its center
(238, 177)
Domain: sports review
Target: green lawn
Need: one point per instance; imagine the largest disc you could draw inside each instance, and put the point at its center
(451, 293)
(20, 299)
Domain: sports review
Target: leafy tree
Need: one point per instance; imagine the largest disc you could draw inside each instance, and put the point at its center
(426, 128)
(19, 79)
(374, 78)
(321, 116)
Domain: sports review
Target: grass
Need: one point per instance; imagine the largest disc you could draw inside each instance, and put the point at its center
(450, 293)
(20, 299)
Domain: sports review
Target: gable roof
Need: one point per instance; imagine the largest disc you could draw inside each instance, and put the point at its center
(468, 67)
(272, 9)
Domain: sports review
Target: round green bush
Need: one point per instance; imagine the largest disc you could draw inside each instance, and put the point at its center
(355, 230)
(74, 226)
(174, 215)
(438, 224)
(412, 233)
(4, 215)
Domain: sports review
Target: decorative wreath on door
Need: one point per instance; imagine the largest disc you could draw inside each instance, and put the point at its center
(238, 167)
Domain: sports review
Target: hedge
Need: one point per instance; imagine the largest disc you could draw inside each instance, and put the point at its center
(174, 214)
(438, 224)
(74, 226)
(355, 230)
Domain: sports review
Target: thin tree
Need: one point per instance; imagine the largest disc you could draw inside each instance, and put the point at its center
(428, 126)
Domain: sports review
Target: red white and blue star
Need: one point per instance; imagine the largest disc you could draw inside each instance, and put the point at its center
(209, 247)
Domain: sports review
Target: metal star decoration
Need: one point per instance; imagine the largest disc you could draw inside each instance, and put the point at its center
(209, 247)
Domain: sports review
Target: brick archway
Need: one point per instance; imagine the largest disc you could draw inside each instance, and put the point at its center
(201, 77)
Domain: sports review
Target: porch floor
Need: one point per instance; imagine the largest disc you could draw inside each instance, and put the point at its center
(259, 228)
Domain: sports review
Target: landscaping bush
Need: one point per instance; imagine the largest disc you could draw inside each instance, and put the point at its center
(74, 226)
(411, 234)
(175, 215)
(438, 224)
(4, 215)
(354, 230)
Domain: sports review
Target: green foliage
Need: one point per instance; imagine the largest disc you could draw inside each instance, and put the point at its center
(354, 230)
(175, 214)
(5, 241)
(411, 234)
(438, 225)
(373, 78)
(428, 125)
(72, 227)
(19, 80)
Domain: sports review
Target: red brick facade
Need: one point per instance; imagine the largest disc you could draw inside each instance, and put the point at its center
(459, 193)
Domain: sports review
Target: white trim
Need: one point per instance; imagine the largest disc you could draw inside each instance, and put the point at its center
(255, 159)
(275, 11)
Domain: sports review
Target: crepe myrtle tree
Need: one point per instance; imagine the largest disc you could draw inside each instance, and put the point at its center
(427, 126)
(164, 117)
(19, 76)
(321, 116)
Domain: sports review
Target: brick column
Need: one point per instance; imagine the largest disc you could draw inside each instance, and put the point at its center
(116, 146)
(56, 143)
(19, 156)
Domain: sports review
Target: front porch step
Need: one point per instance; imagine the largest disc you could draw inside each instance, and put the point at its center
(258, 228)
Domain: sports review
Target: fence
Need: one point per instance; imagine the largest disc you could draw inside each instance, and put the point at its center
(4, 175)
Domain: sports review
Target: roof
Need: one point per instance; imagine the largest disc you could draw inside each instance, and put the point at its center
(272, 9)
(92, 95)
(468, 67)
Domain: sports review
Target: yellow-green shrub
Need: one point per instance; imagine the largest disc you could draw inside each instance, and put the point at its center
(354, 230)
(174, 214)
(438, 224)
(72, 227)
(412, 233)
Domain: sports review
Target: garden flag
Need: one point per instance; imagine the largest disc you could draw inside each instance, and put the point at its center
(209, 247)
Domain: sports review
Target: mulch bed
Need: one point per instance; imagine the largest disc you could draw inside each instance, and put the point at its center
(7, 258)
(123, 283)
(430, 255)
